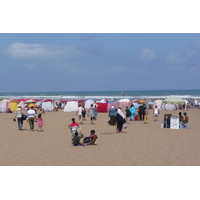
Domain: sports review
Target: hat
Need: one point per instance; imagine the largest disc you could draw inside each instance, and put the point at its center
(18, 105)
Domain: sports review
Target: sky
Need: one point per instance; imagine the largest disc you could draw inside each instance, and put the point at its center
(91, 50)
(99, 61)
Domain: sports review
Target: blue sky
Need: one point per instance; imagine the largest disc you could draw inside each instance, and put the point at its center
(112, 46)
(104, 61)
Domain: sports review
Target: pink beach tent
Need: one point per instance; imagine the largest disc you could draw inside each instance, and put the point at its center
(158, 103)
(123, 103)
(112, 103)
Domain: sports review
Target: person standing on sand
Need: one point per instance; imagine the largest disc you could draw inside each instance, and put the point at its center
(95, 112)
(31, 117)
(18, 115)
(133, 112)
(91, 113)
(120, 119)
(155, 113)
(40, 122)
(112, 114)
(79, 112)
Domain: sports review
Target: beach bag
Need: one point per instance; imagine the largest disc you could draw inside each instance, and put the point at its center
(23, 117)
(125, 125)
(86, 140)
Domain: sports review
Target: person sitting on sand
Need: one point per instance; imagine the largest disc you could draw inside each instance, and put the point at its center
(181, 119)
(92, 138)
(76, 140)
(186, 118)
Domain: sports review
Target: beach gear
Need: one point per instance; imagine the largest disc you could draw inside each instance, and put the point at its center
(23, 117)
(86, 140)
(125, 125)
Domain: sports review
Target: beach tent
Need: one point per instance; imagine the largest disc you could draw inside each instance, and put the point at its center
(102, 107)
(136, 105)
(48, 106)
(112, 103)
(71, 106)
(4, 105)
(123, 103)
(101, 101)
(13, 106)
(169, 106)
(158, 103)
(81, 102)
(88, 103)
(175, 100)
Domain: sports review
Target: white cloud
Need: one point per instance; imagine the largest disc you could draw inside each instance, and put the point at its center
(148, 54)
(29, 51)
(175, 58)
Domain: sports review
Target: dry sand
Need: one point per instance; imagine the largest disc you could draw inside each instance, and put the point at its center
(139, 145)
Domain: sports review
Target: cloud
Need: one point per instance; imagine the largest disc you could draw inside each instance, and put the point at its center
(148, 54)
(175, 58)
(38, 51)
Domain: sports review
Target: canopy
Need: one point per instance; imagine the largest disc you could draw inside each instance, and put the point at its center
(175, 100)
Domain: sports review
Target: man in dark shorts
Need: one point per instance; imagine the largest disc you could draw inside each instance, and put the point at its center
(92, 137)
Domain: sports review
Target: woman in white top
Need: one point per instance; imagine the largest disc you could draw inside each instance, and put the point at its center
(155, 113)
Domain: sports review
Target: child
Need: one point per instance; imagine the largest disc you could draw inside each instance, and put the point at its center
(40, 122)
(146, 117)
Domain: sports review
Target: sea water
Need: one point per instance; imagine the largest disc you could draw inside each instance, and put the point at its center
(77, 95)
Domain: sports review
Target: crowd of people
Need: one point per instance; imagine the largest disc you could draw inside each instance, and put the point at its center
(117, 118)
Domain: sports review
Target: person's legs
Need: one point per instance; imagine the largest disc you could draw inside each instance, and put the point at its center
(19, 123)
(31, 123)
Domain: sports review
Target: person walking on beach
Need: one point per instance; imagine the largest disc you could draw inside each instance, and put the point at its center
(40, 122)
(83, 113)
(112, 114)
(155, 113)
(79, 112)
(31, 118)
(120, 119)
(142, 112)
(91, 113)
(18, 115)
(95, 112)
(133, 112)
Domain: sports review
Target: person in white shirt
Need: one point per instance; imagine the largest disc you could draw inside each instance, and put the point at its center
(79, 112)
(31, 117)
(18, 115)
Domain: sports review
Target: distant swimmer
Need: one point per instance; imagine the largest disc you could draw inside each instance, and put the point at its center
(122, 93)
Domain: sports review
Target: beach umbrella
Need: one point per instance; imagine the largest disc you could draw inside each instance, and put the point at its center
(14, 101)
(141, 102)
(175, 100)
(30, 101)
(34, 105)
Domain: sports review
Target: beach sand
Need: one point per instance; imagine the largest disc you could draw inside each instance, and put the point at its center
(139, 145)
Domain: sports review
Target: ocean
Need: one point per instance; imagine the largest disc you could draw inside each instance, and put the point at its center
(95, 95)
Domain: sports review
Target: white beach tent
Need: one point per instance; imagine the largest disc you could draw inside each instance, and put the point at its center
(47, 106)
(169, 106)
(71, 106)
(88, 103)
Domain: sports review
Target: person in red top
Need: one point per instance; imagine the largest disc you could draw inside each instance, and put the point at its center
(73, 123)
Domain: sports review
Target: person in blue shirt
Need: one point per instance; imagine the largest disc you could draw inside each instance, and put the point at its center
(112, 114)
